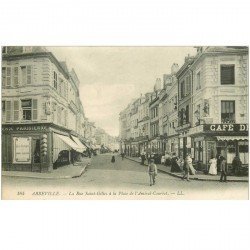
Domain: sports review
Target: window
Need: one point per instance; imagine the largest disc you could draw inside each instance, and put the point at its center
(26, 74)
(227, 74)
(4, 79)
(26, 109)
(182, 89)
(187, 114)
(59, 115)
(55, 80)
(243, 152)
(228, 111)
(37, 155)
(29, 110)
(188, 85)
(198, 81)
(8, 77)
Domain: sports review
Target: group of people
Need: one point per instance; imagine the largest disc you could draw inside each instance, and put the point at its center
(186, 165)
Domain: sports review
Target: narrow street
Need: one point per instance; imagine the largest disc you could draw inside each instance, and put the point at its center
(121, 177)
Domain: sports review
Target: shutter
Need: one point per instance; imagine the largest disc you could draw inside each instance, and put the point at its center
(16, 111)
(3, 111)
(29, 72)
(8, 83)
(15, 77)
(3, 77)
(8, 111)
(34, 109)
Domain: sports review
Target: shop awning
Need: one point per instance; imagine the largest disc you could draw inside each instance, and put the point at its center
(70, 142)
(78, 142)
(232, 138)
(85, 144)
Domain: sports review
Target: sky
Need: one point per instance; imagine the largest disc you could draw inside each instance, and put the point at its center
(110, 77)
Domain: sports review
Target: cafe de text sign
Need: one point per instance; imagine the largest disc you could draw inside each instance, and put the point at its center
(226, 127)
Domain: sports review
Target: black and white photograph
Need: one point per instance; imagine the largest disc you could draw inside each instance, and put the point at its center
(125, 122)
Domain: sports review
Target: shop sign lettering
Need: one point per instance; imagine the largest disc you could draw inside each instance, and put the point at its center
(25, 128)
(226, 127)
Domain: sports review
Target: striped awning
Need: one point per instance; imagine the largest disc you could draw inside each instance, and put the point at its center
(232, 138)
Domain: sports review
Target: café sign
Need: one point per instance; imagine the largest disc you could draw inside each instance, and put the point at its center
(226, 127)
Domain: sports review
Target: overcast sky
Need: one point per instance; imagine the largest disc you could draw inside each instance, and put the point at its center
(111, 76)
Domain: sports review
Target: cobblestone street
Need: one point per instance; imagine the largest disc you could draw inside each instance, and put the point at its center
(121, 177)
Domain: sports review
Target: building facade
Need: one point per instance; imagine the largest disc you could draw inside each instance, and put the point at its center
(39, 96)
(202, 108)
(220, 103)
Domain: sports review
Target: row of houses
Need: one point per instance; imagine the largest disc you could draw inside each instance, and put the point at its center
(200, 108)
(43, 119)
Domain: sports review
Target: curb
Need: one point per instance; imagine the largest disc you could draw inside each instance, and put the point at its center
(50, 177)
(191, 178)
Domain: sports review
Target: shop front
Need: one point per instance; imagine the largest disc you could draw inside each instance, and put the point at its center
(213, 140)
(37, 147)
(26, 148)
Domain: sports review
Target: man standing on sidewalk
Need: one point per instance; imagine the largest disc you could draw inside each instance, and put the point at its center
(223, 166)
(152, 171)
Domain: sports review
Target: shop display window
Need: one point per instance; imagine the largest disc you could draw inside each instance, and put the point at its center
(231, 151)
(243, 151)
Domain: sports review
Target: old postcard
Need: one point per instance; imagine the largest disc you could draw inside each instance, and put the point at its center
(125, 122)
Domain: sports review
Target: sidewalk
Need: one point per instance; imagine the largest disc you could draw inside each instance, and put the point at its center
(198, 177)
(66, 172)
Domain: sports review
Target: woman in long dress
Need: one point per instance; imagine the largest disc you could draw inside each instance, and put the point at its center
(190, 165)
(213, 166)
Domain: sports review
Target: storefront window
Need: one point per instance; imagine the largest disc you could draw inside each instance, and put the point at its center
(37, 156)
(243, 151)
(231, 151)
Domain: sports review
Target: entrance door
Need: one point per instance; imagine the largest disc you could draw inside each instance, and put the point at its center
(36, 155)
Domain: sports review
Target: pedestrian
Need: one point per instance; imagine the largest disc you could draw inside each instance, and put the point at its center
(152, 171)
(123, 155)
(174, 164)
(236, 164)
(113, 159)
(223, 167)
(143, 158)
(213, 166)
(218, 156)
(186, 168)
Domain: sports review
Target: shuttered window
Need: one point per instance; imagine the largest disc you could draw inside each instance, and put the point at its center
(15, 77)
(8, 82)
(227, 74)
(8, 111)
(26, 74)
(16, 110)
(34, 110)
(3, 77)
